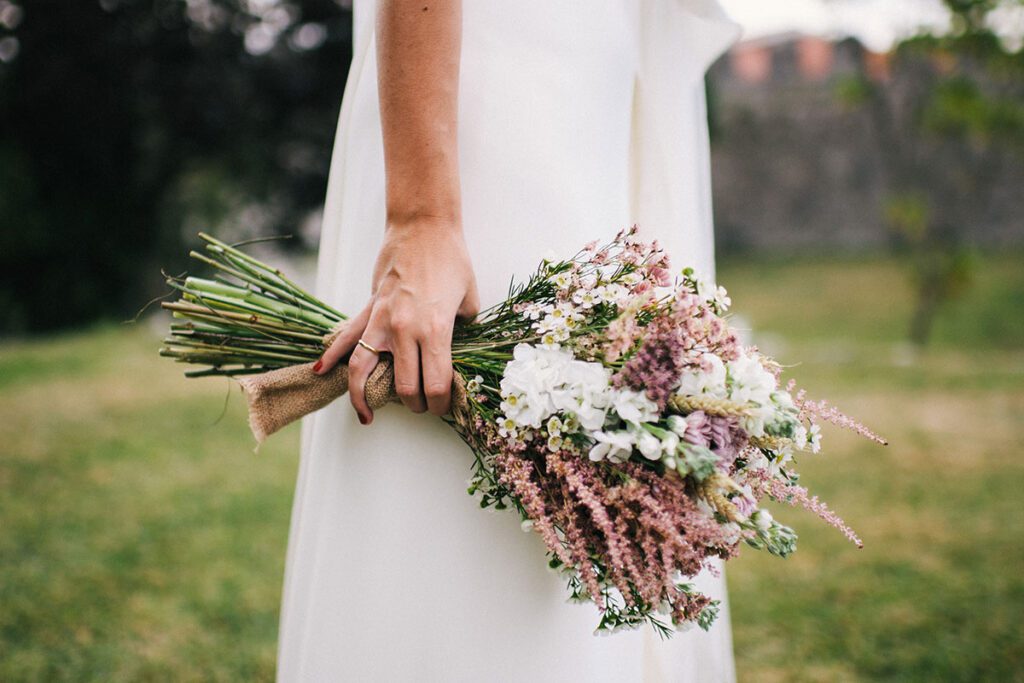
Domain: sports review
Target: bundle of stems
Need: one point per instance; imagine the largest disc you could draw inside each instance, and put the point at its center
(250, 318)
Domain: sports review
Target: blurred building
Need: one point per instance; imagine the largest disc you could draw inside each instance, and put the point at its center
(796, 163)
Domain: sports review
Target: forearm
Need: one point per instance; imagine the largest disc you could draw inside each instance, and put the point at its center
(418, 53)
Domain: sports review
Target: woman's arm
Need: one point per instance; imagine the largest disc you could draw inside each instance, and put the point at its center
(423, 279)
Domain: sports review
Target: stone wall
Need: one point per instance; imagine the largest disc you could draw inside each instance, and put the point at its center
(795, 167)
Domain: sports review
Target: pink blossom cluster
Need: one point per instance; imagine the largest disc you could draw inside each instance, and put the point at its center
(645, 527)
(677, 337)
(823, 411)
(798, 495)
(721, 434)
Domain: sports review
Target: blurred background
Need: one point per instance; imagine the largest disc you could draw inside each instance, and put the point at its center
(868, 162)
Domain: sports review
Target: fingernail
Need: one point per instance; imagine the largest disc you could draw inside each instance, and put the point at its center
(363, 419)
(319, 364)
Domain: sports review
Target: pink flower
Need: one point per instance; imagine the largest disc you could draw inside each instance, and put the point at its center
(661, 276)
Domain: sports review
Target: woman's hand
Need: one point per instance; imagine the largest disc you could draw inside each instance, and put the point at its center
(423, 281)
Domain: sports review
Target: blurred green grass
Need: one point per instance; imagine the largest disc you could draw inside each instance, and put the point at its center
(937, 592)
(141, 539)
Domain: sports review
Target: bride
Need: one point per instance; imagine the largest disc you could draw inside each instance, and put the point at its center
(474, 138)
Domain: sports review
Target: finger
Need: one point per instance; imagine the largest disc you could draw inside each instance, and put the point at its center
(344, 342)
(470, 306)
(360, 364)
(406, 354)
(436, 357)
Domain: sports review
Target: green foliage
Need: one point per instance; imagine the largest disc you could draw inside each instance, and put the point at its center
(853, 91)
(960, 109)
(947, 123)
(908, 216)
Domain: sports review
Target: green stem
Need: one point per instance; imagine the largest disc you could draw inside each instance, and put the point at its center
(260, 265)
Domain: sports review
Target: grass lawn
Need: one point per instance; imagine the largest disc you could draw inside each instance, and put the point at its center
(141, 539)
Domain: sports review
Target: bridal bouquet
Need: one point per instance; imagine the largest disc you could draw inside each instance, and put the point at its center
(606, 401)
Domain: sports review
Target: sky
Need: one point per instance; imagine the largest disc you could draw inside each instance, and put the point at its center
(877, 23)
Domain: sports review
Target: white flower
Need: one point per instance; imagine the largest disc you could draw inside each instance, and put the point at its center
(784, 400)
(722, 299)
(800, 437)
(512, 405)
(554, 425)
(550, 340)
(752, 426)
(554, 442)
(562, 280)
(586, 298)
(648, 444)
(814, 438)
(549, 323)
(762, 519)
(669, 443)
(732, 532)
(677, 424)
(634, 406)
(587, 379)
(757, 462)
(631, 278)
(567, 311)
(615, 446)
(711, 383)
(613, 293)
(473, 385)
(705, 289)
(540, 382)
(526, 525)
(507, 428)
(750, 381)
(590, 417)
(534, 311)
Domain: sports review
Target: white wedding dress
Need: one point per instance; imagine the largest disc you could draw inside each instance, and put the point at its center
(576, 118)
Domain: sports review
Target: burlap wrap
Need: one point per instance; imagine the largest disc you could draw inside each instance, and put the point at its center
(280, 397)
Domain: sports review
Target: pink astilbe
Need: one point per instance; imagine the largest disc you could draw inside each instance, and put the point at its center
(673, 340)
(655, 368)
(798, 495)
(515, 473)
(623, 333)
(823, 411)
(640, 529)
(577, 539)
(581, 486)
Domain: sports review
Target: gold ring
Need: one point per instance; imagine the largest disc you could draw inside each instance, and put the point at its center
(368, 347)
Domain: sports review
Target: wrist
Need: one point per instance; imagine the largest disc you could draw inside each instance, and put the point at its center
(432, 199)
(433, 222)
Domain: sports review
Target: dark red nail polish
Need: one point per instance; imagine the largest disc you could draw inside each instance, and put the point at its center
(362, 419)
(319, 364)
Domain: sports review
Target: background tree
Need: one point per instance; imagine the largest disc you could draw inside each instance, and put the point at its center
(125, 125)
(948, 121)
